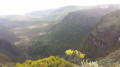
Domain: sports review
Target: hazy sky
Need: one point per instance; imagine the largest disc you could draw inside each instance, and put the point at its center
(26, 6)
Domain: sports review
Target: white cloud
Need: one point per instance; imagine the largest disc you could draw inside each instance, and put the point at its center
(25, 6)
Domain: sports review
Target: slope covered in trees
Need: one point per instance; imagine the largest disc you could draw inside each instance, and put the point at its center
(7, 51)
(104, 39)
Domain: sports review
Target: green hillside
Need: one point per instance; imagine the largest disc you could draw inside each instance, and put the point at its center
(104, 39)
(8, 52)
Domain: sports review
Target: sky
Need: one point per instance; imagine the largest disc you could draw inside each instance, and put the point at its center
(20, 7)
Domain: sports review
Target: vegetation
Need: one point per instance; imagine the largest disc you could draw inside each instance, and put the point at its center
(7, 51)
(39, 35)
(46, 62)
(77, 53)
(70, 31)
(89, 64)
(74, 56)
(104, 39)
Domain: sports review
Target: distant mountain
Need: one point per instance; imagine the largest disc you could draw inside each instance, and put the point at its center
(104, 39)
(53, 11)
(53, 14)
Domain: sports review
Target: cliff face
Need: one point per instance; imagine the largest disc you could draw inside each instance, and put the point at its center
(105, 38)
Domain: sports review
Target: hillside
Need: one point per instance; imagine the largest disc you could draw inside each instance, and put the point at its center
(82, 20)
(5, 33)
(7, 51)
(104, 39)
(75, 26)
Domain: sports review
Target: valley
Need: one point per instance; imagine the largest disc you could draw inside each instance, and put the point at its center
(92, 30)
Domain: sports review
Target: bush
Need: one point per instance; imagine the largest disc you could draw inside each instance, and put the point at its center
(46, 62)
(74, 56)
(75, 53)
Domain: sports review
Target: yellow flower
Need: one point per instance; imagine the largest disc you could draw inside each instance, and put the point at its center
(76, 52)
(69, 52)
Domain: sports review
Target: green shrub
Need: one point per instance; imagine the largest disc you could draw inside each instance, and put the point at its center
(46, 62)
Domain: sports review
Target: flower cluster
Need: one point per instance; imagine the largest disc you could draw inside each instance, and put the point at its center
(76, 52)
